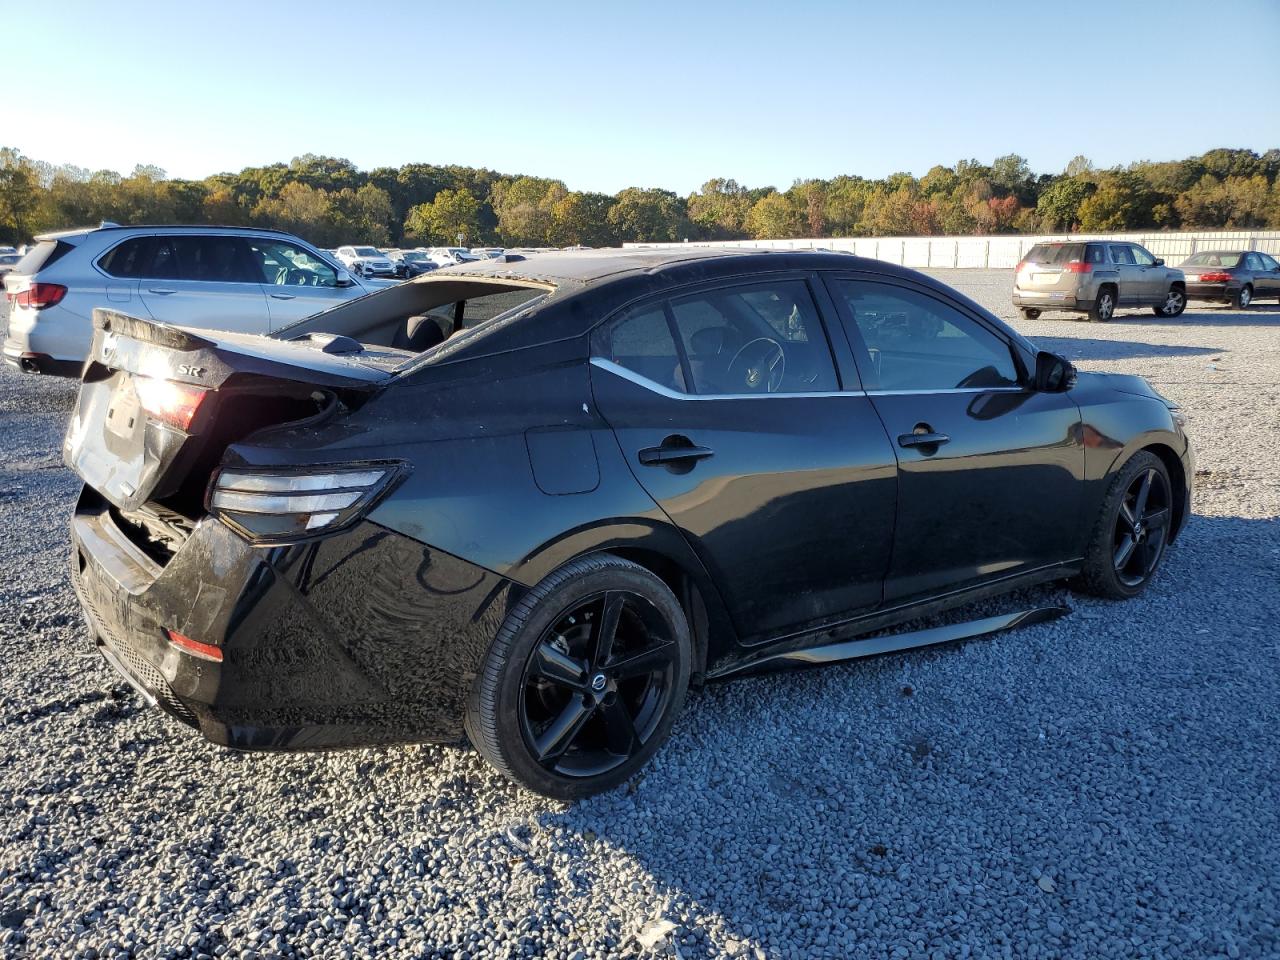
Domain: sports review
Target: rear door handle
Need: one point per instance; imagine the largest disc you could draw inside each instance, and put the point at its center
(160, 291)
(673, 454)
(284, 296)
(922, 439)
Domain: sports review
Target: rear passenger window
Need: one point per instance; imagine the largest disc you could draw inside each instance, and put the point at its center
(126, 260)
(761, 338)
(1095, 253)
(214, 259)
(641, 341)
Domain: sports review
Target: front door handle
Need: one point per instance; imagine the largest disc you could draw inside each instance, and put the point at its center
(284, 296)
(160, 291)
(674, 452)
(925, 438)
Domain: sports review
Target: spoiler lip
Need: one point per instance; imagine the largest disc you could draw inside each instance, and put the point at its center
(148, 331)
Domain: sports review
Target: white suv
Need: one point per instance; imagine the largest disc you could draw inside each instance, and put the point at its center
(222, 278)
(366, 261)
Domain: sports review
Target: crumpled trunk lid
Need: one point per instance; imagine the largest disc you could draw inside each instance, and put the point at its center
(234, 383)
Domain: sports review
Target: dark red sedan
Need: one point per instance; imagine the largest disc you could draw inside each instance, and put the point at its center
(1234, 277)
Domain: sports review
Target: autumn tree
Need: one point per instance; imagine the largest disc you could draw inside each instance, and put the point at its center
(451, 213)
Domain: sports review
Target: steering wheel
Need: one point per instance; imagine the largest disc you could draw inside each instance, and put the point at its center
(760, 363)
(293, 277)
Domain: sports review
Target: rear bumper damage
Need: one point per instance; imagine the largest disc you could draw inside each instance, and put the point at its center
(362, 638)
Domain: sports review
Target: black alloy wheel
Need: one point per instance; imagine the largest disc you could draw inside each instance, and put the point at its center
(1132, 531)
(1142, 527)
(597, 683)
(584, 679)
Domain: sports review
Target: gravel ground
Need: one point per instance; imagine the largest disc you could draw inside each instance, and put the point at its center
(1102, 786)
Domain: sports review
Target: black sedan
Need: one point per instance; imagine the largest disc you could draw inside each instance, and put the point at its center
(536, 500)
(1234, 277)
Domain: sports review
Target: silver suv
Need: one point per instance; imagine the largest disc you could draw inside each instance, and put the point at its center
(224, 278)
(1096, 277)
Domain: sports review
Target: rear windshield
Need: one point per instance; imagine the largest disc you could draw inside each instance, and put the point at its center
(1211, 259)
(44, 254)
(1055, 253)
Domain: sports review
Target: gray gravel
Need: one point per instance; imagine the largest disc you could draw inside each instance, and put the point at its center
(1102, 786)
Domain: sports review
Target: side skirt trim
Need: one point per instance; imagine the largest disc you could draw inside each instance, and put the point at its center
(893, 643)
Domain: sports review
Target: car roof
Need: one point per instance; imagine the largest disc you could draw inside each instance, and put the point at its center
(588, 267)
(177, 227)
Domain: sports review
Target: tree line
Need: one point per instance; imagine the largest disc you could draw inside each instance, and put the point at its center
(329, 201)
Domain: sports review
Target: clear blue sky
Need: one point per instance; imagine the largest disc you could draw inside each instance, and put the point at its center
(605, 95)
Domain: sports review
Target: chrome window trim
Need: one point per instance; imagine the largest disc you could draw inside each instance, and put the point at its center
(948, 390)
(654, 387)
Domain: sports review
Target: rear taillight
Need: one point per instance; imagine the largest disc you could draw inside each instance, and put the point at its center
(40, 295)
(271, 506)
(1078, 266)
(1215, 277)
(1021, 265)
(172, 403)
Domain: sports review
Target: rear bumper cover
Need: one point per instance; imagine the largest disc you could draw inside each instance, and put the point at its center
(1045, 301)
(365, 637)
(1211, 291)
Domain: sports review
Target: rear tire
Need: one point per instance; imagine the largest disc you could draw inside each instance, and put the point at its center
(1030, 313)
(584, 680)
(1103, 307)
(1132, 530)
(1241, 299)
(1175, 302)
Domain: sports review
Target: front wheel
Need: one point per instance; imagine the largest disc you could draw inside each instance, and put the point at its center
(1241, 299)
(1132, 530)
(584, 679)
(1175, 302)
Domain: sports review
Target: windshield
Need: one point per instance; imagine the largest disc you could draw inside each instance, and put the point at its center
(1212, 259)
(367, 252)
(413, 255)
(7, 258)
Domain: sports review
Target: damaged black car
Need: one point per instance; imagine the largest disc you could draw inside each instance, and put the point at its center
(530, 502)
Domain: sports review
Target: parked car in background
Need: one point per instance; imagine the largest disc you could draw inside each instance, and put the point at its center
(1234, 277)
(1096, 278)
(8, 250)
(366, 261)
(449, 256)
(7, 262)
(621, 472)
(412, 263)
(487, 253)
(242, 279)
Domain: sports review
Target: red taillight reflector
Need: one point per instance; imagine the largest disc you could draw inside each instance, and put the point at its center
(1076, 266)
(1215, 278)
(40, 295)
(174, 403)
(205, 651)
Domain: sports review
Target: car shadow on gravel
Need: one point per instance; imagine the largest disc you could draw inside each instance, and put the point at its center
(1257, 315)
(1065, 786)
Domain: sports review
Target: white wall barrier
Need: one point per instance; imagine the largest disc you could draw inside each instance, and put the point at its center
(1000, 252)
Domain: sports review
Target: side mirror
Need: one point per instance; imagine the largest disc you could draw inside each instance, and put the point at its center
(344, 279)
(1054, 374)
(1159, 261)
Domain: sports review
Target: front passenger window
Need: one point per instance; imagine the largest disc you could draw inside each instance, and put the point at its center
(1143, 258)
(1122, 255)
(916, 342)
